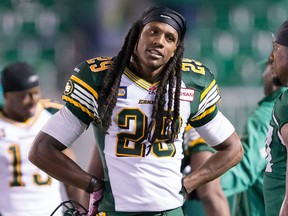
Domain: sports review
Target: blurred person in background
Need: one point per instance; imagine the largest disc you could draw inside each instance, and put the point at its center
(242, 184)
(24, 188)
(139, 103)
(275, 175)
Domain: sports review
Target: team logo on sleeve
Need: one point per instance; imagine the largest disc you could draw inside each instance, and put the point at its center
(122, 92)
(68, 88)
(187, 94)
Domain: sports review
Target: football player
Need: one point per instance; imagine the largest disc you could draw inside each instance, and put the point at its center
(139, 103)
(24, 188)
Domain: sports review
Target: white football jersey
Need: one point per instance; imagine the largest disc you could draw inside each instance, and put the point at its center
(140, 176)
(24, 188)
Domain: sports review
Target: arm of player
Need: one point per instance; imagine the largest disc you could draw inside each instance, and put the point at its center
(95, 168)
(229, 153)
(46, 151)
(284, 207)
(73, 193)
(211, 194)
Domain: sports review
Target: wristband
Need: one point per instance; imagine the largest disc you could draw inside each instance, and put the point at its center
(92, 185)
(95, 198)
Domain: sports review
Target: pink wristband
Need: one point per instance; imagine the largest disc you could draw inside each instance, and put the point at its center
(95, 197)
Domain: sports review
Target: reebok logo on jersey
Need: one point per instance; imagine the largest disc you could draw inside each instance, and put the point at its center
(122, 92)
(76, 70)
(187, 94)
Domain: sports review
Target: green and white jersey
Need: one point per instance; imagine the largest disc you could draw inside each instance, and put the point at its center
(275, 148)
(140, 175)
(25, 190)
(275, 173)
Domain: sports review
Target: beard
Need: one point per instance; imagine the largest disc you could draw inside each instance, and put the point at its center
(277, 81)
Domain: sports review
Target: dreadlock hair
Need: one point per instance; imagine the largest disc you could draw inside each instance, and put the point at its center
(109, 92)
(171, 76)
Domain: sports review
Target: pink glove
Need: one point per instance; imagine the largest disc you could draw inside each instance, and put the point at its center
(95, 197)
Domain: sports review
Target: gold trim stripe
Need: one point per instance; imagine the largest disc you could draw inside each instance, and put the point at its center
(79, 105)
(208, 111)
(139, 81)
(82, 83)
(197, 141)
(47, 103)
(188, 127)
(207, 89)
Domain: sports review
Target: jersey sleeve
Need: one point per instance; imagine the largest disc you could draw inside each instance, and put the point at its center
(207, 94)
(193, 142)
(83, 88)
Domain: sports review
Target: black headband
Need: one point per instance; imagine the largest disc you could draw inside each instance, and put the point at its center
(282, 34)
(18, 77)
(165, 15)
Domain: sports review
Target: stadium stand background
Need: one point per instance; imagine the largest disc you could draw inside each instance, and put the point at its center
(233, 38)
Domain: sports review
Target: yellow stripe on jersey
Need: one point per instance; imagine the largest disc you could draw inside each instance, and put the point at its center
(139, 81)
(207, 112)
(209, 98)
(207, 89)
(101, 214)
(188, 127)
(30, 121)
(196, 142)
(77, 104)
(82, 83)
(47, 103)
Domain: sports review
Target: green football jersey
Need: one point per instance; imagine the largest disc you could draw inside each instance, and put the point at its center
(125, 150)
(247, 176)
(275, 172)
(244, 182)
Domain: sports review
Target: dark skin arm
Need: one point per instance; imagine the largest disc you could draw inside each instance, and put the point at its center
(228, 154)
(73, 193)
(46, 153)
(95, 168)
(211, 194)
